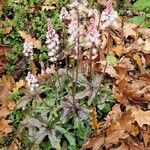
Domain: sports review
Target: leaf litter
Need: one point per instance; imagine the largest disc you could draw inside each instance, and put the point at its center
(127, 126)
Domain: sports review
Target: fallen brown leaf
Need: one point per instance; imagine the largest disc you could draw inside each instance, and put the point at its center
(4, 49)
(27, 37)
(6, 85)
(120, 130)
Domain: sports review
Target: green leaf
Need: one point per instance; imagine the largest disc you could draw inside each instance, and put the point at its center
(141, 5)
(54, 140)
(111, 59)
(81, 130)
(147, 24)
(139, 20)
(147, 15)
(67, 134)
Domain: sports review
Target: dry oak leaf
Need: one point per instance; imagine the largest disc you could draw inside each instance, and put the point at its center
(139, 60)
(130, 144)
(117, 37)
(141, 117)
(117, 25)
(111, 71)
(124, 65)
(146, 136)
(120, 129)
(130, 29)
(27, 37)
(144, 31)
(118, 50)
(15, 145)
(18, 85)
(118, 126)
(4, 49)
(147, 59)
(6, 85)
(94, 142)
(132, 89)
(5, 128)
(4, 111)
(146, 48)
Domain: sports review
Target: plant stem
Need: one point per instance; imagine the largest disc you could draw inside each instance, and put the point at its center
(77, 68)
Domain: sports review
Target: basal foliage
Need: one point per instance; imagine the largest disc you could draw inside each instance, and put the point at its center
(51, 120)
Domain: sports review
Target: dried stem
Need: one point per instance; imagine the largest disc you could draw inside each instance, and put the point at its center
(58, 77)
(90, 65)
(65, 47)
(74, 84)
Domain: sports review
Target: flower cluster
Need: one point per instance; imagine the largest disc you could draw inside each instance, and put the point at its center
(78, 3)
(93, 36)
(108, 16)
(73, 30)
(28, 49)
(64, 15)
(52, 42)
(32, 82)
(83, 26)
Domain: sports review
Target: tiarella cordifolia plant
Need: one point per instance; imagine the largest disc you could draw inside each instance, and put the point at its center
(32, 82)
(52, 42)
(28, 49)
(108, 16)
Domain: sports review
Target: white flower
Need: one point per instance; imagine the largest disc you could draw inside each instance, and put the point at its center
(32, 81)
(93, 35)
(52, 42)
(108, 16)
(82, 30)
(64, 15)
(73, 28)
(94, 50)
(28, 49)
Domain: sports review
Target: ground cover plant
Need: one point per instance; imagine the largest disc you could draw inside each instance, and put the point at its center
(74, 74)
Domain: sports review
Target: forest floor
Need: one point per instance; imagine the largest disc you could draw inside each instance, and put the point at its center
(74, 75)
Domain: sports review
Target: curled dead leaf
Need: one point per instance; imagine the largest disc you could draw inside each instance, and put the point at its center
(142, 117)
(33, 68)
(15, 145)
(18, 85)
(130, 89)
(5, 128)
(27, 37)
(6, 85)
(95, 124)
(130, 29)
